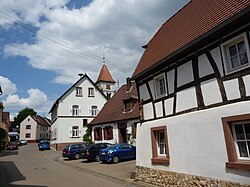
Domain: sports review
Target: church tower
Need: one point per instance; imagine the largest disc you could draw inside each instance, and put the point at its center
(105, 82)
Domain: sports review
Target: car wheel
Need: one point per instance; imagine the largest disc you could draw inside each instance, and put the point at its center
(115, 159)
(77, 156)
(97, 158)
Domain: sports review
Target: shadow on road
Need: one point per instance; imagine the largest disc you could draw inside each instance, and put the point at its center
(8, 153)
(10, 173)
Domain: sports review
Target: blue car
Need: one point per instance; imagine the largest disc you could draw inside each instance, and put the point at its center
(44, 145)
(115, 153)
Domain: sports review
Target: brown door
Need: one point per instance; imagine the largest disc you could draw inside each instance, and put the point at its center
(122, 128)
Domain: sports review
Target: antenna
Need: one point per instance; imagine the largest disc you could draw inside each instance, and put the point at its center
(103, 58)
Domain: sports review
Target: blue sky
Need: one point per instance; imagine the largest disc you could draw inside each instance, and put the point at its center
(44, 44)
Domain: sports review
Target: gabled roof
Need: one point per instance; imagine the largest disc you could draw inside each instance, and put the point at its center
(198, 18)
(105, 75)
(112, 111)
(84, 76)
(41, 121)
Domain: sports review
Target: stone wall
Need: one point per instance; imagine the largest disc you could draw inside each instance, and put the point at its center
(172, 179)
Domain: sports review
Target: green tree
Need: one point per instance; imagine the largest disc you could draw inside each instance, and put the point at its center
(86, 136)
(3, 135)
(22, 115)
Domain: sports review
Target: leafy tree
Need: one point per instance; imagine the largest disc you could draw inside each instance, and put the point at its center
(22, 115)
(3, 135)
(86, 136)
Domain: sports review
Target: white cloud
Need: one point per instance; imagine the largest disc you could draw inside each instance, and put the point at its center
(7, 86)
(36, 99)
(73, 41)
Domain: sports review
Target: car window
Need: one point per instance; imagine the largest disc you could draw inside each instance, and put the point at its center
(125, 146)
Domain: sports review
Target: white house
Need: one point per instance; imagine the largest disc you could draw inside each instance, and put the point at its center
(194, 86)
(118, 119)
(34, 127)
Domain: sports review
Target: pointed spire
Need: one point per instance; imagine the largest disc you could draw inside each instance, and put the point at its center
(105, 75)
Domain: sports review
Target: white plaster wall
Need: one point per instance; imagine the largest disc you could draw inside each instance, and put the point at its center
(186, 99)
(144, 92)
(170, 81)
(217, 58)
(196, 143)
(148, 111)
(246, 80)
(185, 74)
(211, 92)
(152, 88)
(204, 66)
(169, 104)
(32, 131)
(159, 109)
(232, 89)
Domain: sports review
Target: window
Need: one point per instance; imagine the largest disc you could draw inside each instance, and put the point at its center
(85, 122)
(160, 86)
(93, 110)
(108, 133)
(75, 110)
(27, 135)
(28, 126)
(160, 152)
(236, 53)
(75, 131)
(107, 86)
(98, 133)
(91, 92)
(79, 91)
(237, 138)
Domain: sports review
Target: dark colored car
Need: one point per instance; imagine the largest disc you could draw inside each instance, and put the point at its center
(44, 145)
(12, 146)
(118, 152)
(73, 151)
(91, 153)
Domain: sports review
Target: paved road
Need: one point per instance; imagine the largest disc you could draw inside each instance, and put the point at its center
(30, 167)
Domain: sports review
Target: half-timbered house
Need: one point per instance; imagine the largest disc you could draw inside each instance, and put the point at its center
(193, 82)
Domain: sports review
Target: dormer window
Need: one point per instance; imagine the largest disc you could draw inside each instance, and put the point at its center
(107, 86)
(79, 91)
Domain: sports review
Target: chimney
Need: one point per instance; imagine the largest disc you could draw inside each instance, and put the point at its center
(128, 83)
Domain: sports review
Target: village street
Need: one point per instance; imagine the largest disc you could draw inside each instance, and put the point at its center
(30, 167)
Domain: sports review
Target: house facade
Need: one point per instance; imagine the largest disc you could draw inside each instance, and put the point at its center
(71, 112)
(118, 119)
(194, 89)
(34, 127)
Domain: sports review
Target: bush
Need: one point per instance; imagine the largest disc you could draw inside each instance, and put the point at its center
(3, 135)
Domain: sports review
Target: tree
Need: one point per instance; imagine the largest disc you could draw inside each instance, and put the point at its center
(22, 115)
(3, 135)
(86, 136)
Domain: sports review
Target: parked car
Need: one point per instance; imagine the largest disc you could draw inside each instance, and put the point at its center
(92, 152)
(12, 146)
(18, 142)
(117, 152)
(44, 145)
(23, 142)
(73, 151)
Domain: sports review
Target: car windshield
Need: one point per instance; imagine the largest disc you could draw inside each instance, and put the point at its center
(44, 142)
(113, 145)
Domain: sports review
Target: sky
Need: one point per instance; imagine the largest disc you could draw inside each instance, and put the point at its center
(45, 44)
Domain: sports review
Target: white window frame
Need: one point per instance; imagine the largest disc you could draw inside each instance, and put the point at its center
(75, 131)
(245, 140)
(226, 56)
(75, 110)
(161, 143)
(94, 110)
(91, 92)
(158, 87)
(79, 91)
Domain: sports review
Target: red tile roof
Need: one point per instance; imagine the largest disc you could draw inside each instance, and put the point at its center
(193, 20)
(41, 121)
(113, 109)
(105, 75)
